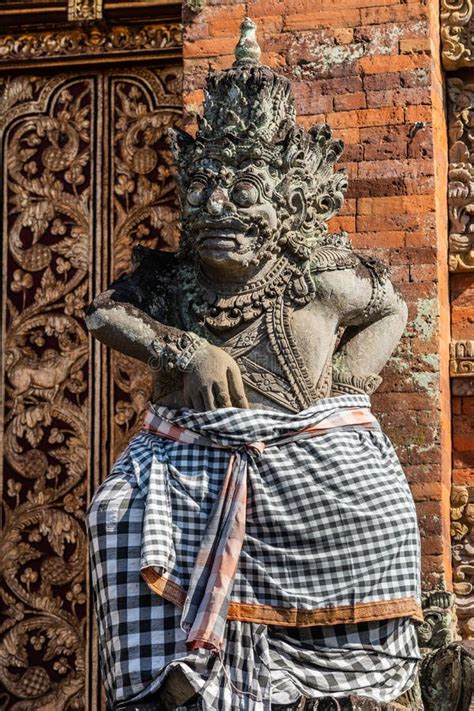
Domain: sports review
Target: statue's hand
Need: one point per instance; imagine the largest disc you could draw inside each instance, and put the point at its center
(212, 379)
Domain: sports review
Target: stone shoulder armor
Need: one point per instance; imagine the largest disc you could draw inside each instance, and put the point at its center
(150, 284)
(336, 253)
(329, 258)
(379, 275)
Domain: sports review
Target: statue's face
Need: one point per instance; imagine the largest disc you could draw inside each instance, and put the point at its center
(230, 213)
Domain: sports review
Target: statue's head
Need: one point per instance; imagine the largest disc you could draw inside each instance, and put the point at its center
(252, 183)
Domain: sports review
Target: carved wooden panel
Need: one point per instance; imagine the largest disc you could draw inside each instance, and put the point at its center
(461, 174)
(144, 210)
(79, 44)
(31, 14)
(15, 13)
(86, 175)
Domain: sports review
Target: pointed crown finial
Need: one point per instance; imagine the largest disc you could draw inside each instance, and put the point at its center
(247, 49)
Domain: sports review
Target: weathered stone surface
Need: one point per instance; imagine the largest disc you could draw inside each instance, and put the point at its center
(439, 626)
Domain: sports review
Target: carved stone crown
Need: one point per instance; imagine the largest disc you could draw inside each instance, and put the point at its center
(248, 110)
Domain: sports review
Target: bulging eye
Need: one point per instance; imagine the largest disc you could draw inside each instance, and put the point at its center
(196, 193)
(244, 194)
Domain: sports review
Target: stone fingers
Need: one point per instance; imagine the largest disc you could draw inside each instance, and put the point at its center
(236, 387)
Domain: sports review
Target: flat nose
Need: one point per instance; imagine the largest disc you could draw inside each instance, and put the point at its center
(217, 201)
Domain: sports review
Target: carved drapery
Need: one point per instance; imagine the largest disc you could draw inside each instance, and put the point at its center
(87, 175)
(461, 175)
(462, 534)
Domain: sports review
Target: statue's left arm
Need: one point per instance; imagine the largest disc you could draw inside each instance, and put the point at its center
(373, 316)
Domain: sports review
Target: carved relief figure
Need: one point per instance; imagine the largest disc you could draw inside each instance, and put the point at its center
(255, 546)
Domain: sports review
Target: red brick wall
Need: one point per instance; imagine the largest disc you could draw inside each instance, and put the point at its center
(370, 69)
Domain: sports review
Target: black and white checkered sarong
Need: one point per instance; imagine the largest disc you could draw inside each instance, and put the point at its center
(344, 491)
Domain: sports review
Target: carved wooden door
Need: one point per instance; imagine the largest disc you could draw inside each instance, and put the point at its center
(86, 173)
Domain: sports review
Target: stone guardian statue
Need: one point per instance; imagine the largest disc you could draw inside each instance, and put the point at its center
(255, 547)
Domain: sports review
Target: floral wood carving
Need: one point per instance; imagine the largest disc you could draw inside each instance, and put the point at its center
(461, 175)
(462, 534)
(81, 43)
(145, 209)
(43, 544)
(456, 33)
(55, 189)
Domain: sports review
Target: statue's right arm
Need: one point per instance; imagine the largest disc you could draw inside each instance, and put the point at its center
(121, 325)
(211, 377)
